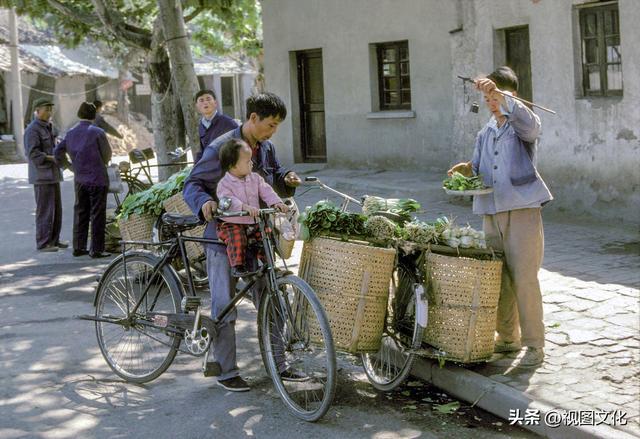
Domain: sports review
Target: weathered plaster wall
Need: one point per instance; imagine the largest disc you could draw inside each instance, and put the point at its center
(344, 31)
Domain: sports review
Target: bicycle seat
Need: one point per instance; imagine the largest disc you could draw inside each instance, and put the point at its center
(180, 222)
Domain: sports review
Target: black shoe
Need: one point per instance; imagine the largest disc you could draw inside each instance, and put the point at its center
(62, 244)
(211, 369)
(77, 253)
(235, 384)
(100, 255)
(294, 375)
(48, 249)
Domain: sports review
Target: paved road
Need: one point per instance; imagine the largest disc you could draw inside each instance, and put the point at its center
(55, 384)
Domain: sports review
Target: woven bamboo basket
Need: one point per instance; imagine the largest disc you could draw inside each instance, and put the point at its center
(176, 204)
(463, 300)
(137, 227)
(352, 282)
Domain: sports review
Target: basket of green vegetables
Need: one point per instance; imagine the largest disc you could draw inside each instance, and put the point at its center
(458, 184)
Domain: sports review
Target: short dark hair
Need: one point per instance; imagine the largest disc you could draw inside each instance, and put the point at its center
(205, 92)
(266, 105)
(505, 78)
(87, 111)
(230, 153)
(97, 103)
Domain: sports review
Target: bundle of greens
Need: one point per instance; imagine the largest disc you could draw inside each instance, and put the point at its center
(458, 182)
(150, 200)
(324, 218)
(381, 229)
(420, 232)
(402, 207)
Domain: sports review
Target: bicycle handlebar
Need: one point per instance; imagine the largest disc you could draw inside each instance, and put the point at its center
(225, 214)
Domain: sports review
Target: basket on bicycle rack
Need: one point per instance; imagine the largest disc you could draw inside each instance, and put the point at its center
(352, 282)
(176, 204)
(137, 227)
(463, 297)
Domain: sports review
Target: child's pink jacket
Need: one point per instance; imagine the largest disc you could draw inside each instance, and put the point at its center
(248, 190)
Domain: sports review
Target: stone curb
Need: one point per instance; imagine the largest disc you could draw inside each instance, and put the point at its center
(498, 398)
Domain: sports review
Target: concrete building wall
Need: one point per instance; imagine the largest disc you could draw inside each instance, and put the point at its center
(589, 152)
(344, 31)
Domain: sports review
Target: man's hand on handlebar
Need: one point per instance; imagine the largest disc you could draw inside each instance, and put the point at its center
(281, 207)
(209, 210)
(292, 179)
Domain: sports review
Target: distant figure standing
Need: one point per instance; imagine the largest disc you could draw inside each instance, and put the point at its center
(212, 123)
(89, 150)
(45, 175)
(101, 123)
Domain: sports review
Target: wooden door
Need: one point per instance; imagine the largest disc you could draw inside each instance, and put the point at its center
(519, 59)
(313, 141)
(226, 89)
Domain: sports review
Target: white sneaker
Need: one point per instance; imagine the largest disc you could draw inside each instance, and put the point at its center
(531, 357)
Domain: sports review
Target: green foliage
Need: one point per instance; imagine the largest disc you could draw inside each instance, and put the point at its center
(458, 182)
(401, 207)
(150, 201)
(324, 218)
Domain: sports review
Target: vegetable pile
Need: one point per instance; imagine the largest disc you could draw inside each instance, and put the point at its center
(150, 200)
(324, 218)
(458, 182)
(403, 207)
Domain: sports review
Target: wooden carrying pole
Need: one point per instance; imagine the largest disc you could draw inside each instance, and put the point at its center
(464, 78)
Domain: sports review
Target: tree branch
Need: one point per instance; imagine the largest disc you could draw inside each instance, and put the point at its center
(114, 21)
(71, 12)
(193, 15)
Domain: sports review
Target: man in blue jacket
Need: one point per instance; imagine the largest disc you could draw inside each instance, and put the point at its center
(89, 149)
(265, 112)
(213, 123)
(45, 176)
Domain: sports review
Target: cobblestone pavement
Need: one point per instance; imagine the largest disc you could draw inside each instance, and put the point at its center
(590, 282)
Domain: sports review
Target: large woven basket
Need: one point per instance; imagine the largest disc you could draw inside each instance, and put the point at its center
(463, 299)
(352, 282)
(176, 204)
(137, 227)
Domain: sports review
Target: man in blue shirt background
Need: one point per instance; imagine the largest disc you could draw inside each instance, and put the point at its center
(212, 123)
(504, 154)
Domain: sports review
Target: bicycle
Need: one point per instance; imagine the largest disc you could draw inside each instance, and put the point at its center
(143, 315)
(406, 317)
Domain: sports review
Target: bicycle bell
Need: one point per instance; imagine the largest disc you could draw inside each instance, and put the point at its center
(224, 203)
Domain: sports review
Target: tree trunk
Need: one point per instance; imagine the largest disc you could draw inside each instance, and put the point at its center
(184, 74)
(162, 108)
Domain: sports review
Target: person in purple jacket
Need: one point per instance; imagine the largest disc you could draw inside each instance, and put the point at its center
(89, 150)
(212, 123)
(246, 190)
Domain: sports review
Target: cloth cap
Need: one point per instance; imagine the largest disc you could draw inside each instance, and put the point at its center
(41, 102)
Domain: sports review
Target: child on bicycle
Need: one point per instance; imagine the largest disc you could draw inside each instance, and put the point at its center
(246, 189)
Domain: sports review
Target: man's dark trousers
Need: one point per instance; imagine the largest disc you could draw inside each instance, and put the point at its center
(90, 206)
(48, 214)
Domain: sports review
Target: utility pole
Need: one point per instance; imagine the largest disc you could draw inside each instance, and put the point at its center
(16, 83)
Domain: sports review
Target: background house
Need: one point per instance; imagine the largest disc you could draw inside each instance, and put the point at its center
(372, 83)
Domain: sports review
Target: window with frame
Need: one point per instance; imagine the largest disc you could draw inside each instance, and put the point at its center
(394, 82)
(601, 58)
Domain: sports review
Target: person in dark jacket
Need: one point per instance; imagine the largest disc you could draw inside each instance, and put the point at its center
(265, 112)
(45, 175)
(212, 123)
(101, 123)
(89, 150)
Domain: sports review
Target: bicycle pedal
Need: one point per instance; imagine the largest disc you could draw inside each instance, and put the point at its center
(190, 303)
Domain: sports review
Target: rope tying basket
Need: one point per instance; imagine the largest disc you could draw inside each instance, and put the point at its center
(176, 204)
(463, 300)
(352, 282)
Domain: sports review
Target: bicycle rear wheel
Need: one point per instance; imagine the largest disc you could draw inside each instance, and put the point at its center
(134, 349)
(297, 339)
(388, 368)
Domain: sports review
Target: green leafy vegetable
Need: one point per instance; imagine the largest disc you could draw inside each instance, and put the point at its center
(399, 206)
(458, 182)
(325, 218)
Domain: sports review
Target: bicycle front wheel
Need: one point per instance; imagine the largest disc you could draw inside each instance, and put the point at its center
(297, 347)
(388, 368)
(133, 347)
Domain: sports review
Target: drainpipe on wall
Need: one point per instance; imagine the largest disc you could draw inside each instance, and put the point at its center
(16, 84)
